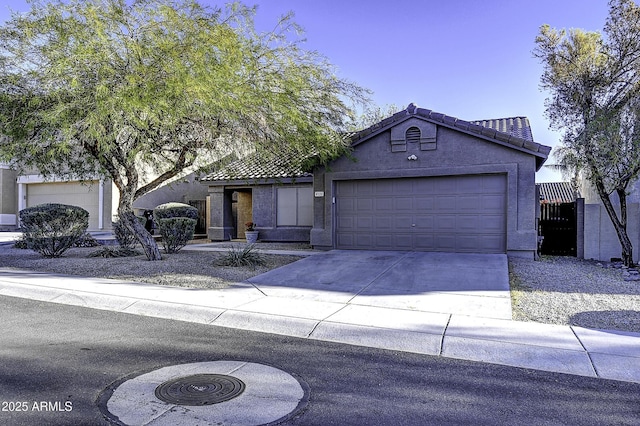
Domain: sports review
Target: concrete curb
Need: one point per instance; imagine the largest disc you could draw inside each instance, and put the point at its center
(563, 349)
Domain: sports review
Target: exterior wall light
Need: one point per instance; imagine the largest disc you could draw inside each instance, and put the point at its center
(412, 158)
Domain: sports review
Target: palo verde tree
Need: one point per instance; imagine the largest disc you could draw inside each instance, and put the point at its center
(141, 91)
(594, 84)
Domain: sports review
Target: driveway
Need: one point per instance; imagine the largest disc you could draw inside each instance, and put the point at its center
(455, 283)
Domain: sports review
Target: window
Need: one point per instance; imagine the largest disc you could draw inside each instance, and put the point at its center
(295, 206)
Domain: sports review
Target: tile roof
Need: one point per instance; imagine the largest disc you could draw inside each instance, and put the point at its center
(557, 192)
(253, 168)
(514, 131)
(515, 126)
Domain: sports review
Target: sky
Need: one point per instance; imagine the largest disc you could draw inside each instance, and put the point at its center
(470, 59)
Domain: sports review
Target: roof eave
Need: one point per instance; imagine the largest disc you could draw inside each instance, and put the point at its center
(253, 181)
(541, 152)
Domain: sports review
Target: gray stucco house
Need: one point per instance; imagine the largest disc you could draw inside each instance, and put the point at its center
(421, 180)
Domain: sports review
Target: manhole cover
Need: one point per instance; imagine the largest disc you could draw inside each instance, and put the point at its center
(200, 389)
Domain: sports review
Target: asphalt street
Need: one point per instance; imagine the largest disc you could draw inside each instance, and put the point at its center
(56, 361)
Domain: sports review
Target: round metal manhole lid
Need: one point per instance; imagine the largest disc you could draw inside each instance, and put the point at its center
(200, 389)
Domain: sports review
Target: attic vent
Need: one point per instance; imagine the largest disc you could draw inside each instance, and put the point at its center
(413, 134)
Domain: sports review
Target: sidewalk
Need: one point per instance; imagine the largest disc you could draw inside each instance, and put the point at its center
(563, 349)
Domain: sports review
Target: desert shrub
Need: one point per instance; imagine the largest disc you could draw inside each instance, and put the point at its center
(246, 255)
(170, 210)
(51, 229)
(176, 232)
(108, 252)
(86, 240)
(20, 243)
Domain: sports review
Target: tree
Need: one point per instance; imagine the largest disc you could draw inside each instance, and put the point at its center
(371, 115)
(142, 91)
(594, 85)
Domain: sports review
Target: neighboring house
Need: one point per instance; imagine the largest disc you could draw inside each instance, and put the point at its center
(99, 197)
(8, 198)
(420, 180)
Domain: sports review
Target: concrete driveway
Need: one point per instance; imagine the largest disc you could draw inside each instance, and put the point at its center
(455, 283)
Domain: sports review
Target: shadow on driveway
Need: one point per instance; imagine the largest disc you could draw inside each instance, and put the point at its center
(426, 281)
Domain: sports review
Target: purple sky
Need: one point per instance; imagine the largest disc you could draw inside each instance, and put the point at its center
(470, 59)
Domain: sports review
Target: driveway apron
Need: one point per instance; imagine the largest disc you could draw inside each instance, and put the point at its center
(453, 283)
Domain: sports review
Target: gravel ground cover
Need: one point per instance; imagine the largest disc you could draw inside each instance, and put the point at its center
(183, 269)
(570, 291)
(552, 290)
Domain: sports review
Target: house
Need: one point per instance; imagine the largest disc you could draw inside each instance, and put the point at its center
(421, 180)
(8, 198)
(98, 196)
(277, 196)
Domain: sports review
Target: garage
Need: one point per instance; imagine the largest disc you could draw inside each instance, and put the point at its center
(465, 213)
(71, 193)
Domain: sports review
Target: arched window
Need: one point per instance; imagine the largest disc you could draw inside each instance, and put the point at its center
(413, 134)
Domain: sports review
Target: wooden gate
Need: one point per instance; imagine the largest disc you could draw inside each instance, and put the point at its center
(558, 228)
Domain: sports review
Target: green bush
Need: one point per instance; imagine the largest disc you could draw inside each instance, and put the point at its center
(86, 240)
(245, 256)
(51, 229)
(20, 243)
(169, 210)
(176, 232)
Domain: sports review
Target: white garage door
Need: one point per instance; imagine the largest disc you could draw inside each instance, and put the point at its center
(72, 193)
(450, 213)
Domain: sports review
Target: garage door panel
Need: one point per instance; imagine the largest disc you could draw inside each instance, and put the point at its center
(445, 203)
(384, 223)
(424, 203)
(346, 222)
(493, 243)
(492, 223)
(402, 221)
(445, 242)
(403, 204)
(364, 223)
(450, 213)
(490, 184)
(383, 205)
(445, 223)
(364, 204)
(493, 203)
(345, 240)
(424, 223)
(347, 205)
(424, 242)
(468, 223)
(468, 202)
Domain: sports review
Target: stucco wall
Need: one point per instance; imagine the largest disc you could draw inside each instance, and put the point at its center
(262, 210)
(600, 239)
(8, 198)
(455, 153)
(181, 191)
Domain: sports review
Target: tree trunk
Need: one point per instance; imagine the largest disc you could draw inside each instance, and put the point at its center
(149, 245)
(619, 225)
